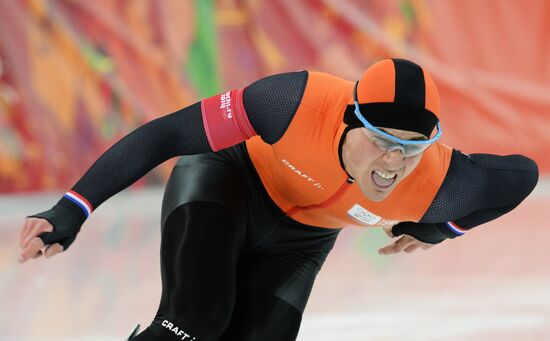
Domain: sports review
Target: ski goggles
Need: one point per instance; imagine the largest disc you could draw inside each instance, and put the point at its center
(387, 142)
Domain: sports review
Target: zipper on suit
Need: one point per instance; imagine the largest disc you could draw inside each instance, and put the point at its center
(333, 198)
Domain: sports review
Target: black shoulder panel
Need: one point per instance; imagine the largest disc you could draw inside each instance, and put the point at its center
(271, 103)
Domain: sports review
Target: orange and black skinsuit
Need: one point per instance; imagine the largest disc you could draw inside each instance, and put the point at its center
(251, 212)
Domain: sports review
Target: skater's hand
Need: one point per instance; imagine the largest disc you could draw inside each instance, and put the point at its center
(31, 244)
(404, 243)
(49, 233)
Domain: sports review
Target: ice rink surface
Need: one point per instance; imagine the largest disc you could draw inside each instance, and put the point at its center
(491, 284)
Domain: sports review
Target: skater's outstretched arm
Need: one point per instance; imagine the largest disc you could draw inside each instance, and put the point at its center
(264, 108)
(478, 188)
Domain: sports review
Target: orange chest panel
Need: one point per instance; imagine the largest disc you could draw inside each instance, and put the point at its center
(303, 175)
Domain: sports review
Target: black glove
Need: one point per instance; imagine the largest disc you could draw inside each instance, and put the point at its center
(66, 219)
(425, 232)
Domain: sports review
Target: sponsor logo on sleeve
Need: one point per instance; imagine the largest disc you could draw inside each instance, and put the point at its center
(225, 105)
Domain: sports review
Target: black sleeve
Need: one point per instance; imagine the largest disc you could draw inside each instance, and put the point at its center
(477, 188)
(181, 132)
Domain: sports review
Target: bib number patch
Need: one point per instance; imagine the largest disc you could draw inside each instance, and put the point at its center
(363, 215)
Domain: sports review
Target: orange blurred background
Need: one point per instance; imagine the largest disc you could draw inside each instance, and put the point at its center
(75, 76)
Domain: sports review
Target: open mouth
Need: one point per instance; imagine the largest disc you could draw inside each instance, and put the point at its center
(382, 179)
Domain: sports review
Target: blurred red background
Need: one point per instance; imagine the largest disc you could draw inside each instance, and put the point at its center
(76, 76)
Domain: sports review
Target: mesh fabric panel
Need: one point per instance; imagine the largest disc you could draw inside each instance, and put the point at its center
(271, 103)
(181, 132)
(481, 187)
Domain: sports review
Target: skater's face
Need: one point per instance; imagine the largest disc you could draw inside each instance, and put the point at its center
(377, 172)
